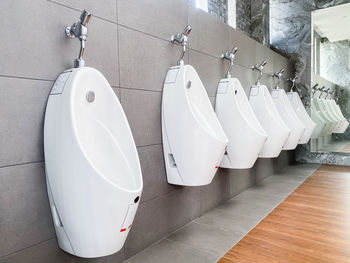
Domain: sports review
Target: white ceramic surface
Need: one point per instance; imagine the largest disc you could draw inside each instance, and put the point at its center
(245, 134)
(290, 118)
(193, 139)
(271, 121)
(303, 116)
(92, 166)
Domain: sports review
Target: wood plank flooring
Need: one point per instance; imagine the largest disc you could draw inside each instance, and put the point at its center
(311, 225)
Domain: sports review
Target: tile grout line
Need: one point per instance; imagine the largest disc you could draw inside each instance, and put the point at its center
(28, 247)
(21, 164)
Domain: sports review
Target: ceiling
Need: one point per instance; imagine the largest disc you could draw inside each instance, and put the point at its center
(333, 22)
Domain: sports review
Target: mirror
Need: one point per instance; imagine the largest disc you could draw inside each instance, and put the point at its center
(330, 103)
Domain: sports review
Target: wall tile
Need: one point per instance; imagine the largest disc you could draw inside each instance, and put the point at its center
(159, 18)
(143, 110)
(209, 34)
(106, 9)
(153, 172)
(209, 69)
(215, 193)
(25, 218)
(161, 216)
(45, 51)
(49, 251)
(246, 54)
(22, 107)
(144, 66)
(239, 179)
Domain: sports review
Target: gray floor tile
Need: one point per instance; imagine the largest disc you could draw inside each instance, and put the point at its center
(225, 220)
(214, 240)
(172, 252)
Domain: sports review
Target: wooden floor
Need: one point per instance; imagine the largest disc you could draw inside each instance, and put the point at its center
(311, 225)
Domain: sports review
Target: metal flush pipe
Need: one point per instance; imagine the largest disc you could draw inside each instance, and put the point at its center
(230, 56)
(278, 75)
(315, 89)
(181, 39)
(80, 31)
(293, 82)
(259, 68)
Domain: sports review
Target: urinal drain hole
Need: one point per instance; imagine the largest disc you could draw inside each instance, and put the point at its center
(235, 92)
(136, 199)
(189, 84)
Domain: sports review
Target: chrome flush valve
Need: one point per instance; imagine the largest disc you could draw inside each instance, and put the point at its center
(230, 56)
(278, 75)
(181, 39)
(79, 30)
(259, 68)
(293, 82)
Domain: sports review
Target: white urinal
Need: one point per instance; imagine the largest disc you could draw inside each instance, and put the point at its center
(321, 124)
(93, 172)
(245, 134)
(303, 116)
(342, 121)
(327, 107)
(193, 139)
(345, 123)
(330, 123)
(269, 118)
(288, 115)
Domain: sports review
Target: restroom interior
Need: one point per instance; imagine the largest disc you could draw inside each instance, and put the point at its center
(129, 43)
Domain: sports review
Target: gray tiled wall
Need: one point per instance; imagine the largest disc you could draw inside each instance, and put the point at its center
(129, 42)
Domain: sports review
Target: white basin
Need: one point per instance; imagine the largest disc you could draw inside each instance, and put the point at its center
(321, 124)
(193, 139)
(290, 118)
(245, 134)
(303, 116)
(271, 121)
(93, 171)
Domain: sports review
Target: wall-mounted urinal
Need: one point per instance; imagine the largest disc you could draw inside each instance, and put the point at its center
(193, 139)
(303, 117)
(269, 118)
(321, 124)
(301, 114)
(288, 115)
(332, 106)
(327, 108)
(330, 123)
(93, 172)
(345, 123)
(245, 134)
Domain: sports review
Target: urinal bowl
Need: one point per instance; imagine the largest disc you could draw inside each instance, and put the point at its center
(303, 117)
(245, 134)
(289, 117)
(270, 120)
(330, 124)
(193, 139)
(321, 124)
(93, 172)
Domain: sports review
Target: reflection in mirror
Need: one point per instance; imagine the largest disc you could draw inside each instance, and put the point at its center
(330, 104)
